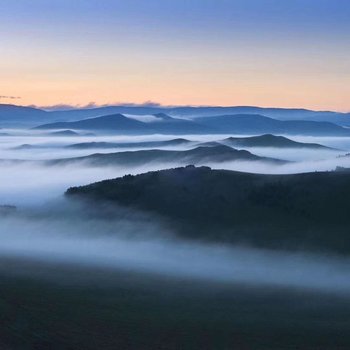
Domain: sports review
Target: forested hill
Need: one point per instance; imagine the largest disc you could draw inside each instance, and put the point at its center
(303, 211)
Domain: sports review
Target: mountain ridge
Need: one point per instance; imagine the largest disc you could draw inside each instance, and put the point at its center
(10, 116)
(253, 124)
(198, 155)
(269, 140)
(123, 124)
(300, 211)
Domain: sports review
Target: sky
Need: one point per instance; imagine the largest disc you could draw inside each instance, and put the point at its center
(292, 53)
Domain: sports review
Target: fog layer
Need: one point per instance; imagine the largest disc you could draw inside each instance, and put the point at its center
(139, 243)
(47, 228)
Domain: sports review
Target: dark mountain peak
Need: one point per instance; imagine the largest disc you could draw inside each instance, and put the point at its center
(210, 144)
(198, 156)
(271, 137)
(64, 133)
(111, 117)
(24, 146)
(179, 140)
(219, 149)
(248, 124)
(141, 144)
(106, 122)
(225, 153)
(269, 140)
(4, 107)
(120, 123)
(250, 116)
(163, 116)
(14, 116)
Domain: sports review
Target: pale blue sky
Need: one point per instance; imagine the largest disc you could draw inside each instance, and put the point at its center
(261, 52)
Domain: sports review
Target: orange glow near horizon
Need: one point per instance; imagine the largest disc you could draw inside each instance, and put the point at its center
(45, 93)
(176, 53)
(189, 81)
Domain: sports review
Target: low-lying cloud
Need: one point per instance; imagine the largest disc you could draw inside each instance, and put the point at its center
(93, 104)
(4, 97)
(137, 244)
(50, 229)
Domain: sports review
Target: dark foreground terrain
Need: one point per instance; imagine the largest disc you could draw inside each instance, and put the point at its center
(300, 212)
(61, 307)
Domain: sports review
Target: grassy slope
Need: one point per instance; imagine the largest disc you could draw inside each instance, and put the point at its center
(112, 310)
(282, 211)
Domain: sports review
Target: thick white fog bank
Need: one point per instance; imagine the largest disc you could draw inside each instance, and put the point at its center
(50, 229)
(45, 147)
(142, 246)
(27, 184)
(296, 155)
(24, 184)
(338, 142)
(49, 147)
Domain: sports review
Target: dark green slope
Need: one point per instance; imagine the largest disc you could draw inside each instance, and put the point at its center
(112, 310)
(304, 211)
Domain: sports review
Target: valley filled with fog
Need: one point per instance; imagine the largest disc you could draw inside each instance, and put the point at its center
(25, 179)
(118, 225)
(175, 175)
(45, 225)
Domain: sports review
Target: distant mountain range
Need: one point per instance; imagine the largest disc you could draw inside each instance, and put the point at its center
(115, 122)
(120, 124)
(199, 155)
(21, 116)
(190, 112)
(63, 133)
(303, 211)
(269, 140)
(235, 124)
(144, 144)
(255, 124)
(266, 140)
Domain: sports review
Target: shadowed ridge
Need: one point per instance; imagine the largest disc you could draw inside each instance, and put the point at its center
(269, 140)
(108, 122)
(304, 211)
(198, 156)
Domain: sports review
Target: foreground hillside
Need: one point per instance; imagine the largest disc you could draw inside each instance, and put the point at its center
(304, 211)
(115, 310)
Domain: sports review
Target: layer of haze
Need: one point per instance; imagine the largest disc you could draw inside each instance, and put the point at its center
(212, 52)
(30, 183)
(138, 244)
(49, 229)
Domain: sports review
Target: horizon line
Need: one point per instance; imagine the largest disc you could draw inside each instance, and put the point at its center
(93, 105)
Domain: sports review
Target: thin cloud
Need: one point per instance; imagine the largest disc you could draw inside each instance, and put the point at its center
(4, 97)
(90, 105)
